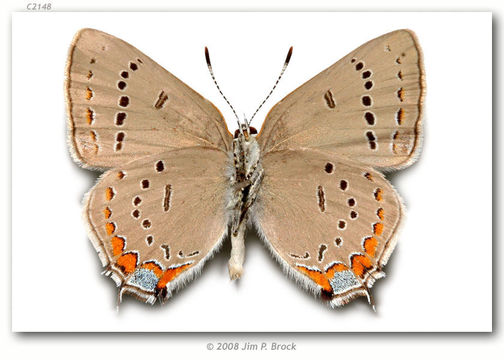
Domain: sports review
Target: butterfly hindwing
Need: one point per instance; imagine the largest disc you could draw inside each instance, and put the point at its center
(367, 106)
(156, 220)
(122, 105)
(329, 221)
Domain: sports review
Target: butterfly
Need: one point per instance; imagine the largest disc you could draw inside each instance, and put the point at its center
(177, 183)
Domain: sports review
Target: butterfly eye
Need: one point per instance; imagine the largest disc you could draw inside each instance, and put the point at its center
(237, 132)
(253, 131)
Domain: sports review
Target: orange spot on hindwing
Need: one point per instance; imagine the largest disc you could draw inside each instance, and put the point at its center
(318, 277)
(334, 269)
(360, 264)
(118, 244)
(378, 229)
(170, 274)
(110, 228)
(369, 245)
(323, 278)
(127, 262)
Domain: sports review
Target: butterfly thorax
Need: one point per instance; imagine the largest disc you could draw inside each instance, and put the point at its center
(247, 176)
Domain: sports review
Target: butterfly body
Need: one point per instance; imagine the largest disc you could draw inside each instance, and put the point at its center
(245, 184)
(177, 183)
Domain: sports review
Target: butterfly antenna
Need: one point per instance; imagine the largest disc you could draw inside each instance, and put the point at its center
(207, 57)
(287, 59)
(246, 123)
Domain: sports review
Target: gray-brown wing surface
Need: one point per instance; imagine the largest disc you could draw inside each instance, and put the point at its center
(330, 222)
(156, 220)
(366, 107)
(122, 105)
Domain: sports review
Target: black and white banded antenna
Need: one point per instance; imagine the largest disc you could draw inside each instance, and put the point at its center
(287, 59)
(207, 57)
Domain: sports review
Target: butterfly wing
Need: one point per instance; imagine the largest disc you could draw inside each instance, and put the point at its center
(122, 105)
(156, 220)
(367, 106)
(342, 220)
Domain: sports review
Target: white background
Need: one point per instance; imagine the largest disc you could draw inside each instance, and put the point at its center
(440, 274)
(391, 346)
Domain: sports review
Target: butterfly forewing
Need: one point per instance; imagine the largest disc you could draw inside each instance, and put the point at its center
(367, 106)
(154, 221)
(122, 105)
(331, 222)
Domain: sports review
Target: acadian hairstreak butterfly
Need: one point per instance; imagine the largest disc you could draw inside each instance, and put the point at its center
(177, 182)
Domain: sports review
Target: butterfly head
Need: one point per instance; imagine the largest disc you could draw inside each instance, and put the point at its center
(245, 130)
